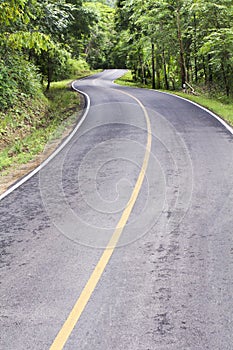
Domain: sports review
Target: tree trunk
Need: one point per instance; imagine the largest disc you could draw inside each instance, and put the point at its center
(182, 59)
(158, 72)
(165, 71)
(227, 87)
(195, 48)
(204, 69)
(153, 64)
(210, 74)
(189, 70)
(49, 74)
(48, 84)
(142, 69)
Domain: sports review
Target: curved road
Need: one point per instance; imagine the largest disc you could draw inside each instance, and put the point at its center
(124, 240)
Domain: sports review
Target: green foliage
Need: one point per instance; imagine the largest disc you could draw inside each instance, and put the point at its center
(74, 67)
(26, 40)
(220, 105)
(11, 10)
(110, 3)
(17, 78)
(8, 87)
(48, 35)
(188, 41)
(102, 37)
(30, 124)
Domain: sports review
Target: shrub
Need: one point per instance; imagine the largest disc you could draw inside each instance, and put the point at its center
(17, 76)
(70, 68)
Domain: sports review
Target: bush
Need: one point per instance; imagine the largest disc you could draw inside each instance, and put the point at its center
(70, 68)
(17, 76)
(8, 87)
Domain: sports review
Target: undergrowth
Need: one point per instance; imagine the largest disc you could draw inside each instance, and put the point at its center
(26, 128)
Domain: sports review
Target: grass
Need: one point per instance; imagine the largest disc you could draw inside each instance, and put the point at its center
(221, 107)
(28, 127)
(127, 80)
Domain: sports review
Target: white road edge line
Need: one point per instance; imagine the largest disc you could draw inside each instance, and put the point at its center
(53, 155)
(227, 126)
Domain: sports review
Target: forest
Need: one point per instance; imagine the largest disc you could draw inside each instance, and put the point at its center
(166, 42)
(179, 45)
(174, 42)
(46, 41)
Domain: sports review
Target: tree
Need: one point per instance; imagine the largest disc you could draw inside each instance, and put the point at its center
(100, 43)
(190, 40)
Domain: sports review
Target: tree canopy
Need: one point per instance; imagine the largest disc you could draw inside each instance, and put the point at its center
(171, 43)
(178, 41)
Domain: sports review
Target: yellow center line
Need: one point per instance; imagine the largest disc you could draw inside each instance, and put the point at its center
(86, 293)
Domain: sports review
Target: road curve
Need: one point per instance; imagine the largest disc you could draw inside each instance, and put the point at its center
(155, 171)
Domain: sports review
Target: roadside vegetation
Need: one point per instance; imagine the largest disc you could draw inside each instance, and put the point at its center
(173, 43)
(44, 45)
(32, 123)
(219, 104)
(166, 44)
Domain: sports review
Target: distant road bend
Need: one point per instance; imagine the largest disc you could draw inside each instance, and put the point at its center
(124, 239)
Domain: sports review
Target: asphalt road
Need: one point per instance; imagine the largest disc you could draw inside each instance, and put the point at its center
(158, 169)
